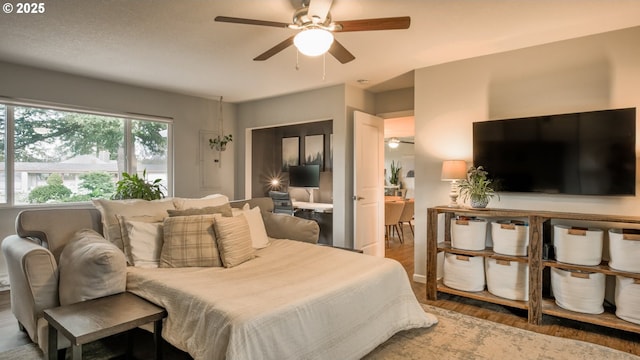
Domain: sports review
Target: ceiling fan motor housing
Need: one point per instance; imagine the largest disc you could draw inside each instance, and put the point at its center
(302, 20)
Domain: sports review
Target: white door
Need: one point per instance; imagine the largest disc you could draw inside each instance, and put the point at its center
(368, 182)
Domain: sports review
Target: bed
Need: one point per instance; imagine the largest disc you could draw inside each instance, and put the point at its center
(294, 300)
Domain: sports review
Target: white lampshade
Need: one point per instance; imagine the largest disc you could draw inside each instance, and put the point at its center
(313, 42)
(454, 170)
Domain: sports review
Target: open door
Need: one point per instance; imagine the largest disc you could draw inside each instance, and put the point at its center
(368, 183)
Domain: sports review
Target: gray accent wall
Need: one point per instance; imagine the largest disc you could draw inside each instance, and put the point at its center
(266, 151)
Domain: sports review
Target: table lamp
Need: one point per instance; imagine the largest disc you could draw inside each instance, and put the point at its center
(454, 170)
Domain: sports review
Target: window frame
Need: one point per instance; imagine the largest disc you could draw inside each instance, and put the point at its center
(9, 137)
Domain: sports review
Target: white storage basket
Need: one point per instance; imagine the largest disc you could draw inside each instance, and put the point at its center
(578, 245)
(628, 299)
(507, 279)
(578, 291)
(468, 234)
(624, 250)
(510, 238)
(464, 272)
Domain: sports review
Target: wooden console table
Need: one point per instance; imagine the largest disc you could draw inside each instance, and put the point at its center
(95, 319)
(537, 305)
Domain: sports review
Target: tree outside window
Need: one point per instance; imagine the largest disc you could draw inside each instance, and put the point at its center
(63, 156)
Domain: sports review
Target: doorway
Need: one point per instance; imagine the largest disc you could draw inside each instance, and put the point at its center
(399, 160)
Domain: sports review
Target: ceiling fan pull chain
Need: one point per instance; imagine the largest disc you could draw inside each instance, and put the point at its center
(324, 66)
(297, 60)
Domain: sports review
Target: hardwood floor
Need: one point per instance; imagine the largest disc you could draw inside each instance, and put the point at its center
(616, 339)
(11, 336)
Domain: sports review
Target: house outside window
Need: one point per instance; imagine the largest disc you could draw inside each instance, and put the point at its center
(63, 156)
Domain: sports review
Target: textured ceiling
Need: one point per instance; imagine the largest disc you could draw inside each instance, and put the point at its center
(176, 45)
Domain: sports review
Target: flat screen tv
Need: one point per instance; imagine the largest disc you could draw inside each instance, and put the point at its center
(588, 153)
(304, 176)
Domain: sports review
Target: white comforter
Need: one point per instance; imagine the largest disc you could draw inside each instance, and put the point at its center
(293, 301)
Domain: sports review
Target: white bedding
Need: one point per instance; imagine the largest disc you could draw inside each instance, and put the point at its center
(293, 301)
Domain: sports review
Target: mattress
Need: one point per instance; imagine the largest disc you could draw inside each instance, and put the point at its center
(294, 300)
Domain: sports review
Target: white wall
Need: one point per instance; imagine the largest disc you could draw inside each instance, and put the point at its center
(590, 73)
(331, 103)
(190, 114)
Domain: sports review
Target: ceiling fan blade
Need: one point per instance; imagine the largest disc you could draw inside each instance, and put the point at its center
(340, 52)
(235, 20)
(392, 23)
(319, 8)
(274, 50)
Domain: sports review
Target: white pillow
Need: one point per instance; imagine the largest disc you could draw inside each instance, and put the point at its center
(90, 267)
(259, 238)
(143, 243)
(209, 200)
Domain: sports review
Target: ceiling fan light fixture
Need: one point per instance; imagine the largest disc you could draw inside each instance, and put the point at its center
(394, 143)
(313, 41)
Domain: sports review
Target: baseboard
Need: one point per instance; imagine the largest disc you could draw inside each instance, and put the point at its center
(420, 278)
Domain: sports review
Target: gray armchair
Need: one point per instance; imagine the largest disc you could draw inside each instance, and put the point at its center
(32, 257)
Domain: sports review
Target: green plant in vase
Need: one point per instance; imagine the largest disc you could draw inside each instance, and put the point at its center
(478, 188)
(394, 178)
(135, 187)
(220, 142)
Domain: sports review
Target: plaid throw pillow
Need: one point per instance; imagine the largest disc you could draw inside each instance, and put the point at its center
(189, 241)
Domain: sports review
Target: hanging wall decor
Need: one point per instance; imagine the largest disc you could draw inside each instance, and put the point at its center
(290, 152)
(219, 143)
(314, 150)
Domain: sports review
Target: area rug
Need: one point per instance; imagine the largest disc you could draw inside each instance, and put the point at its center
(456, 336)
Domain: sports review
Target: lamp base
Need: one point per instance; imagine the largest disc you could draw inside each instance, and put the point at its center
(454, 201)
(453, 195)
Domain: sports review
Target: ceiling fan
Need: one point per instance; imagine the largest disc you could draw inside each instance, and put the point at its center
(316, 27)
(394, 142)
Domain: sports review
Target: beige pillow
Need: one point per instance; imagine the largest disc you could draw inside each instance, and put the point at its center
(90, 267)
(259, 238)
(224, 209)
(234, 240)
(142, 242)
(110, 210)
(209, 200)
(126, 240)
(189, 241)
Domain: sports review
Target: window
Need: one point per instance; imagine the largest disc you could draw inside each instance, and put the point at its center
(66, 156)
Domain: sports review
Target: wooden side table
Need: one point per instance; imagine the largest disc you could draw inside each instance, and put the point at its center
(95, 319)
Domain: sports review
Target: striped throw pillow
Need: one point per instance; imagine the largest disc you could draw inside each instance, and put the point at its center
(234, 240)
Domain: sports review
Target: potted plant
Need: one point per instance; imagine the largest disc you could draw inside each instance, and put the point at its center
(220, 142)
(477, 187)
(135, 187)
(394, 178)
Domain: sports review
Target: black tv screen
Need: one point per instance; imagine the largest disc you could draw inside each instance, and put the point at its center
(304, 176)
(588, 153)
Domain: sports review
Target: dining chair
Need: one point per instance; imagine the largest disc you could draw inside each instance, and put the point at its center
(407, 216)
(392, 212)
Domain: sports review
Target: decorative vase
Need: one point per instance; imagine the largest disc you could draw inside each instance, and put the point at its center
(479, 202)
